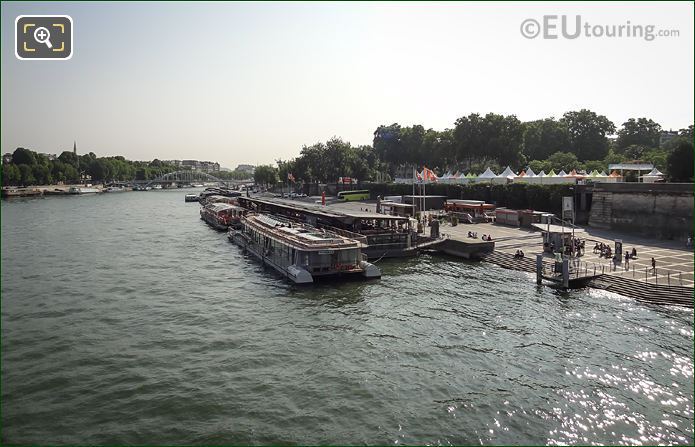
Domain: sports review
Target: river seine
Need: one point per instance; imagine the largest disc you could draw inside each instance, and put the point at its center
(126, 319)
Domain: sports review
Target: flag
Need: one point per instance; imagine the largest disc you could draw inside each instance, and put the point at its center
(290, 177)
(429, 174)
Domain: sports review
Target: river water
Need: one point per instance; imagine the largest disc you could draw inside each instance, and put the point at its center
(125, 319)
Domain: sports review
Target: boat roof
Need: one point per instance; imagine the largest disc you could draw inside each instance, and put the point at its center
(556, 228)
(322, 211)
(302, 236)
(221, 206)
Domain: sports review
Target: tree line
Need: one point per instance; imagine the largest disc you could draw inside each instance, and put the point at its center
(578, 140)
(26, 167)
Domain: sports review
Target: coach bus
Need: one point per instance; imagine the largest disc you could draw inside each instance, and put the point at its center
(350, 196)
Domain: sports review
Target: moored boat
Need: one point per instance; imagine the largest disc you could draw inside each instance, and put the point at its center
(83, 190)
(115, 189)
(221, 216)
(301, 252)
(191, 198)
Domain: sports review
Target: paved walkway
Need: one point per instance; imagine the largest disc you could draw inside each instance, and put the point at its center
(674, 262)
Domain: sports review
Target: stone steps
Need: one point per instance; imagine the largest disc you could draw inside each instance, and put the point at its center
(649, 293)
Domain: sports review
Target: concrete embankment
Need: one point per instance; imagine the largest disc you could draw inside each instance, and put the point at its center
(648, 293)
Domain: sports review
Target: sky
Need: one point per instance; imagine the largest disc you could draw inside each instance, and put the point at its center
(254, 82)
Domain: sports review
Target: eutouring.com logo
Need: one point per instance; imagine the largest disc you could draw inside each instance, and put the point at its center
(575, 27)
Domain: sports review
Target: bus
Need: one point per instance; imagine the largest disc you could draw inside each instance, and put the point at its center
(350, 196)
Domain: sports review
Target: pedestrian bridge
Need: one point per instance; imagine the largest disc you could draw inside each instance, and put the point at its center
(189, 177)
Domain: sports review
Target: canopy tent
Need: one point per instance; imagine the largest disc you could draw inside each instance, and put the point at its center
(655, 172)
(522, 174)
(552, 173)
(488, 174)
(562, 173)
(654, 176)
(506, 176)
(530, 173)
(507, 173)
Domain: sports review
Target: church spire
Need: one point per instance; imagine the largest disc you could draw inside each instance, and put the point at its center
(74, 147)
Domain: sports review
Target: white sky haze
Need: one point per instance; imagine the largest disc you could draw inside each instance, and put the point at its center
(253, 82)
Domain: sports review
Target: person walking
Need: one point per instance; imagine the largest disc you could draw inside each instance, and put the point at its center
(653, 265)
(627, 261)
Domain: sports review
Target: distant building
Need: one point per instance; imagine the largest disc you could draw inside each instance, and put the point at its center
(50, 156)
(196, 165)
(666, 136)
(249, 169)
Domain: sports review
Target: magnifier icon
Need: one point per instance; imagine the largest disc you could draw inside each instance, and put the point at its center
(42, 35)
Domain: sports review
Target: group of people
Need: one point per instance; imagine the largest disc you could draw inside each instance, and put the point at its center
(487, 237)
(473, 235)
(575, 247)
(519, 254)
(604, 250)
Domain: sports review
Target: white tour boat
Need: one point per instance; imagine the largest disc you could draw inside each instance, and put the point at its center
(302, 252)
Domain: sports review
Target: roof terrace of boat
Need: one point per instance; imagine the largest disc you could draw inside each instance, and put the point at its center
(320, 210)
(301, 236)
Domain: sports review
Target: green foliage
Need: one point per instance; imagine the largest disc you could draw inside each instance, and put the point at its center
(31, 168)
(640, 132)
(265, 175)
(680, 163)
(563, 161)
(588, 134)
(326, 162)
(23, 156)
(545, 137)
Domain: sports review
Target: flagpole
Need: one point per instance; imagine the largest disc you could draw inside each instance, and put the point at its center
(414, 192)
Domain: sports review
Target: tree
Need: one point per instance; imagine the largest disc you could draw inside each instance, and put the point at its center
(10, 174)
(545, 137)
(588, 134)
(41, 174)
(593, 165)
(388, 145)
(635, 152)
(565, 161)
(468, 137)
(641, 132)
(23, 156)
(265, 175)
(68, 157)
(686, 133)
(680, 163)
(26, 176)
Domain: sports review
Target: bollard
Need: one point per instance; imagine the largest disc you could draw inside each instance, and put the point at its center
(669, 278)
(645, 274)
(680, 277)
(540, 267)
(633, 270)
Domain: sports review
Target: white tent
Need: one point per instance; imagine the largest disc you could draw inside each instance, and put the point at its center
(530, 173)
(488, 174)
(507, 173)
(541, 174)
(562, 173)
(653, 176)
